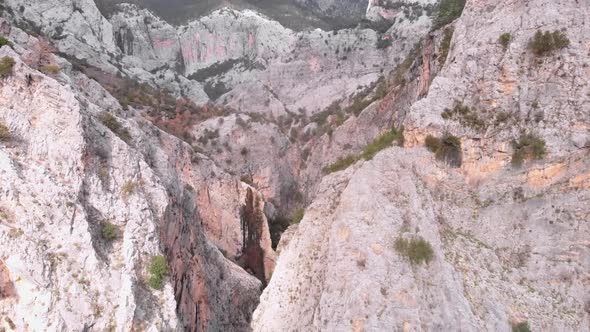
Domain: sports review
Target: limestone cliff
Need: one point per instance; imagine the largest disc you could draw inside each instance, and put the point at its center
(509, 243)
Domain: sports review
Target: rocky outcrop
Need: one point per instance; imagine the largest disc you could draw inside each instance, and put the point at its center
(80, 225)
(508, 243)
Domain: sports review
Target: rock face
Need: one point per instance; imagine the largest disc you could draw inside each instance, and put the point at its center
(67, 173)
(509, 244)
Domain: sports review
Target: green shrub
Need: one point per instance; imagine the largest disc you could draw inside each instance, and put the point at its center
(450, 150)
(447, 148)
(158, 271)
(50, 69)
(445, 45)
(5, 134)
(297, 216)
(383, 142)
(465, 115)
(417, 250)
(505, 39)
(528, 146)
(108, 231)
(115, 126)
(341, 164)
(432, 143)
(521, 327)
(6, 65)
(448, 11)
(378, 144)
(543, 43)
(4, 41)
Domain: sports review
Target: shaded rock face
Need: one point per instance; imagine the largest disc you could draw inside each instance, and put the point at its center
(506, 241)
(257, 252)
(199, 302)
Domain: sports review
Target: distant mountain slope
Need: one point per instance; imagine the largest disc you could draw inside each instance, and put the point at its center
(295, 14)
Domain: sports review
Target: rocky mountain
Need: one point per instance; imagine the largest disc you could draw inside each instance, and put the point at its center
(295, 14)
(243, 165)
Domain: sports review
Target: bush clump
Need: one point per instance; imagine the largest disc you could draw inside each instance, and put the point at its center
(108, 231)
(528, 146)
(4, 41)
(505, 40)
(445, 45)
(5, 134)
(158, 271)
(6, 65)
(50, 69)
(447, 148)
(128, 189)
(465, 115)
(448, 11)
(432, 143)
(543, 43)
(382, 142)
(521, 327)
(341, 164)
(417, 250)
(115, 126)
(297, 216)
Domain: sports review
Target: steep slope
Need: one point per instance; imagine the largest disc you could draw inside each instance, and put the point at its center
(509, 243)
(286, 81)
(89, 198)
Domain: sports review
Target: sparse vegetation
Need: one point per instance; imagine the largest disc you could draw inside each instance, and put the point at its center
(445, 45)
(416, 250)
(108, 231)
(128, 189)
(521, 327)
(50, 69)
(383, 142)
(544, 43)
(6, 65)
(465, 115)
(447, 148)
(115, 126)
(432, 143)
(528, 146)
(448, 11)
(5, 134)
(297, 216)
(341, 164)
(4, 41)
(505, 39)
(158, 271)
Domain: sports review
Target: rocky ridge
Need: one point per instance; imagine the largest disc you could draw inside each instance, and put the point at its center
(508, 243)
(62, 268)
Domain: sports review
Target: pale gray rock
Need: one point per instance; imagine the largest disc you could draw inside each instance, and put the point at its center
(509, 243)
